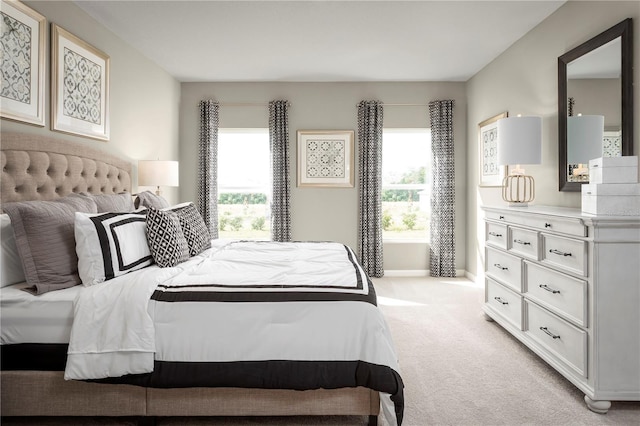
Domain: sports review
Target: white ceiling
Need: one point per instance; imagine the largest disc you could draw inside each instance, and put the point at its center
(320, 40)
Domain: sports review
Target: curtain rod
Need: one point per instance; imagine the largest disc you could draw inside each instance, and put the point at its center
(389, 104)
(242, 104)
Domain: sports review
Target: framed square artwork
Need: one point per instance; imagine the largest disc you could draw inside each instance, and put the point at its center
(325, 158)
(22, 37)
(491, 173)
(79, 86)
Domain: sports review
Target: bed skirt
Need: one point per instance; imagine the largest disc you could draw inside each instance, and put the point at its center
(46, 393)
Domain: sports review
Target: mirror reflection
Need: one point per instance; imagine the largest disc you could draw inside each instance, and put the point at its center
(595, 103)
(594, 108)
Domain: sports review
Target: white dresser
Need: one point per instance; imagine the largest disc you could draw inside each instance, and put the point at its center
(567, 285)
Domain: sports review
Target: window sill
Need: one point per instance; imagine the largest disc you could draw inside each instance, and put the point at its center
(395, 241)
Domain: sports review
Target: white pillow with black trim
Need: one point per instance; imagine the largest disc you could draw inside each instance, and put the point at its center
(165, 238)
(109, 245)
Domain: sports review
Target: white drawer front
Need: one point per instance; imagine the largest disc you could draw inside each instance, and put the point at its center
(561, 293)
(562, 339)
(496, 235)
(504, 301)
(565, 253)
(523, 242)
(564, 225)
(505, 268)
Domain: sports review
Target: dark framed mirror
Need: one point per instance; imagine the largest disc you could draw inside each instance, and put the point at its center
(595, 79)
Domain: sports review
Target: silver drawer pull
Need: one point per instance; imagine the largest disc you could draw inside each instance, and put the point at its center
(499, 299)
(548, 333)
(499, 266)
(549, 289)
(524, 243)
(495, 234)
(559, 253)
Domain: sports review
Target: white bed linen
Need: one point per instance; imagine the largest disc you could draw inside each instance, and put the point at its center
(117, 329)
(27, 318)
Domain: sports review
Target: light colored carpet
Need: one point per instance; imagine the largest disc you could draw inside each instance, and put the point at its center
(458, 369)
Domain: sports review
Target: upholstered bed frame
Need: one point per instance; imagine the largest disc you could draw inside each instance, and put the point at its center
(41, 168)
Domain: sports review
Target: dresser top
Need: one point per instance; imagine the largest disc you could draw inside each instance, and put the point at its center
(565, 212)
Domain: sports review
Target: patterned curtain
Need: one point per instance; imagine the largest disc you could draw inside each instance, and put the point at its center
(281, 196)
(443, 249)
(370, 191)
(208, 165)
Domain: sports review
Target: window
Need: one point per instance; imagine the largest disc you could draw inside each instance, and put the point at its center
(406, 171)
(244, 184)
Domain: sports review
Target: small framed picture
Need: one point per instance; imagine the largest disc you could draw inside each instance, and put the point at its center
(325, 158)
(491, 173)
(79, 86)
(22, 36)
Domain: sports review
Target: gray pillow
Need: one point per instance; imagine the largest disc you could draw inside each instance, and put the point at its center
(44, 232)
(113, 203)
(149, 199)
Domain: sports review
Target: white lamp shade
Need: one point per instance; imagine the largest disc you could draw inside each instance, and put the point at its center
(157, 173)
(520, 140)
(585, 134)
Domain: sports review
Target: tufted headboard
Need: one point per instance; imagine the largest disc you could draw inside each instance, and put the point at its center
(42, 168)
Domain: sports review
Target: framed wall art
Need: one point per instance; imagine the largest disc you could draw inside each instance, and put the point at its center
(325, 158)
(22, 36)
(79, 86)
(491, 173)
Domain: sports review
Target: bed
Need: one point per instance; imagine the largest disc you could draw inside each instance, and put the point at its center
(35, 346)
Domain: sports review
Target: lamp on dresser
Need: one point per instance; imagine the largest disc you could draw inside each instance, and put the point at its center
(157, 173)
(519, 142)
(585, 134)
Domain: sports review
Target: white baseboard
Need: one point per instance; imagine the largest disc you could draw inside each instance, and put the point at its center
(406, 273)
(418, 273)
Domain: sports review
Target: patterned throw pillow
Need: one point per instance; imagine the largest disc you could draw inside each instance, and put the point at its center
(166, 241)
(194, 229)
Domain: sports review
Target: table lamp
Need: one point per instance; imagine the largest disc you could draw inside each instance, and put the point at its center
(519, 142)
(157, 173)
(585, 134)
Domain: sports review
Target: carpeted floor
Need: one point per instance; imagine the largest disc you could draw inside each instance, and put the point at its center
(458, 369)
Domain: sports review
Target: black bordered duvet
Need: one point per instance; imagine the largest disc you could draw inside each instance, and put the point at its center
(242, 314)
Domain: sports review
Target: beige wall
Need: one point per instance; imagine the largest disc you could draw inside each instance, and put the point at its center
(523, 80)
(144, 99)
(320, 213)
(598, 96)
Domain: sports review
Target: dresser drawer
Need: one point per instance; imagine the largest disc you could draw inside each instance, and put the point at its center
(564, 225)
(505, 268)
(496, 234)
(523, 242)
(559, 337)
(505, 302)
(565, 253)
(560, 293)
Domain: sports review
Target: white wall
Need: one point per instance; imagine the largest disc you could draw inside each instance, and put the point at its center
(523, 80)
(144, 99)
(322, 213)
